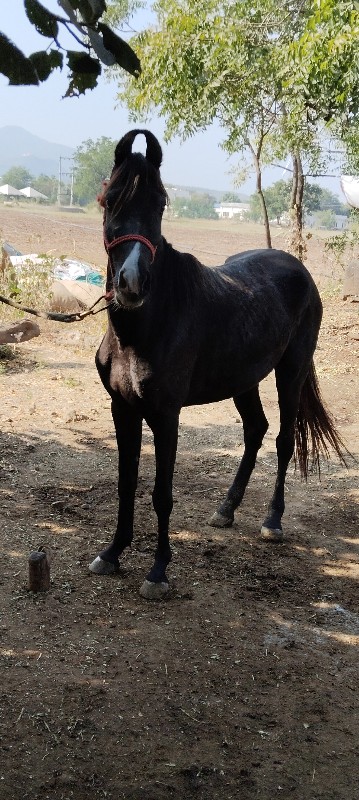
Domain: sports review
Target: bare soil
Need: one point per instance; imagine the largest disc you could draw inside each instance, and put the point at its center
(243, 683)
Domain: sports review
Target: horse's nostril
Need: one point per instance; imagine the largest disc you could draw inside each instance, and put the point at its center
(122, 281)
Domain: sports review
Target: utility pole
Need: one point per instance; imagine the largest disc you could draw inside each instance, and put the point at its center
(60, 180)
(59, 183)
(72, 188)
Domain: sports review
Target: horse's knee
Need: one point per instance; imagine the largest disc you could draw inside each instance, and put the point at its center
(162, 502)
(254, 435)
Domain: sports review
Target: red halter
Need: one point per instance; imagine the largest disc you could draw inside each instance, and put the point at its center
(136, 237)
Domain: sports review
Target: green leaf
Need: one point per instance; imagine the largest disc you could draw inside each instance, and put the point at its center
(91, 10)
(80, 83)
(124, 55)
(15, 65)
(81, 62)
(44, 21)
(84, 72)
(44, 63)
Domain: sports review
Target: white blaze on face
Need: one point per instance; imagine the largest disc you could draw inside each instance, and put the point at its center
(130, 271)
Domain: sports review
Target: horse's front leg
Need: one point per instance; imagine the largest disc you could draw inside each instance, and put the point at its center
(165, 431)
(128, 426)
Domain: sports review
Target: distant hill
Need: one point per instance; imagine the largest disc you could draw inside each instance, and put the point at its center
(217, 194)
(19, 148)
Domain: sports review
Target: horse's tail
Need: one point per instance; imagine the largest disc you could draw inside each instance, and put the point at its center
(315, 429)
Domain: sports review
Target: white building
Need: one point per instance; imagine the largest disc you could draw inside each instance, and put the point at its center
(230, 210)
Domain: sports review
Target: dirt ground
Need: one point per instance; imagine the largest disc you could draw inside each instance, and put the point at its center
(243, 683)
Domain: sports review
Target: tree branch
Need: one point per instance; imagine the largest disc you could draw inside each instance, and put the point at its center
(307, 174)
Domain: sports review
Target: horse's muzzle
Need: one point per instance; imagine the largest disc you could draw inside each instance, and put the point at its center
(132, 282)
(128, 300)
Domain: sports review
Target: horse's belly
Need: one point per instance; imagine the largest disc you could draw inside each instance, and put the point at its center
(229, 376)
(219, 391)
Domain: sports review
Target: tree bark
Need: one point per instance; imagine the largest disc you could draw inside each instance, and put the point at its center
(262, 199)
(256, 154)
(297, 244)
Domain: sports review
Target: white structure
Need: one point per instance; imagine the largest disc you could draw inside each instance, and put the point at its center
(174, 192)
(9, 191)
(230, 210)
(340, 222)
(350, 188)
(30, 192)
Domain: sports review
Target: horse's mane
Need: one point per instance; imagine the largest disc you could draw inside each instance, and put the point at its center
(125, 179)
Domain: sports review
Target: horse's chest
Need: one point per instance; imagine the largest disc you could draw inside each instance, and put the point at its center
(130, 375)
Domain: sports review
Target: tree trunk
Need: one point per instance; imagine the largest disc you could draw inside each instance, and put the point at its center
(297, 243)
(39, 569)
(262, 200)
(256, 160)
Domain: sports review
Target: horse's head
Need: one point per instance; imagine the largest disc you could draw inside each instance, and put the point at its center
(134, 200)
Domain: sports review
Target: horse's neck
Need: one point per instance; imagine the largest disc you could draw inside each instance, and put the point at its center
(175, 280)
(129, 327)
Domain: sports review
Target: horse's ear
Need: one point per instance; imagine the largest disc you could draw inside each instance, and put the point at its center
(153, 149)
(124, 147)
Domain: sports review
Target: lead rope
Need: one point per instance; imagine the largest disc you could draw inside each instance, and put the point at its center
(76, 316)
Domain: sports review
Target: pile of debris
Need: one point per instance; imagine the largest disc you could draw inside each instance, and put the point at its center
(75, 287)
(351, 281)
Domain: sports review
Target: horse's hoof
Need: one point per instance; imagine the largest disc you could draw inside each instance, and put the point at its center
(272, 534)
(154, 591)
(220, 521)
(101, 567)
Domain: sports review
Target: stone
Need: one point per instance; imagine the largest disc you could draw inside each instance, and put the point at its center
(351, 280)
(17, 332)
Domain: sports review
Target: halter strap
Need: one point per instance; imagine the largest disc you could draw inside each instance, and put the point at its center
(136, 237)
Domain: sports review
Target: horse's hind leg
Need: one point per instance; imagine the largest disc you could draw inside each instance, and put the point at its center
(288, 399)
(255, 426)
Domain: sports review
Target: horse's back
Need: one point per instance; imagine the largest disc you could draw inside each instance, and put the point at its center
(273, 273)
(269, 260)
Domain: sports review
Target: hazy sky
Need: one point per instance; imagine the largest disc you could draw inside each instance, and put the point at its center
(199, 161)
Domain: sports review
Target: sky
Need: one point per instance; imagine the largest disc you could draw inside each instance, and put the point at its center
(199, 161)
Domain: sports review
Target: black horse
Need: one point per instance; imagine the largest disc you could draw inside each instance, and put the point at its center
(180, 333)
